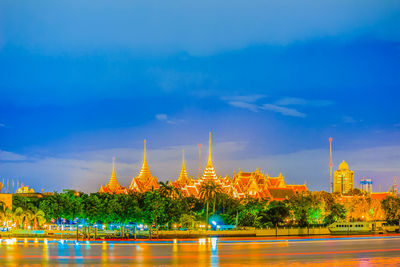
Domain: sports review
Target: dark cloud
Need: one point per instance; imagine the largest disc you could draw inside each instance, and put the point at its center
(196, 27)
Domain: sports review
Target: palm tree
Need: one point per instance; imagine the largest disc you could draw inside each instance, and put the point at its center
(167, 190)
(2, 211)
(26, 218)
(38, 217)
(187, 220)
(208, 192)
(16, 216)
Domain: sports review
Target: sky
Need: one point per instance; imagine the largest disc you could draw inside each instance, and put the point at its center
(81, 82)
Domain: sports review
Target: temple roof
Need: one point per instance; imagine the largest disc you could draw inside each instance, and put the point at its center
(145, 180)
(145, 171)
(113, 186)
(183, 177)
(113, 183)
(209, 171)
(281, 193)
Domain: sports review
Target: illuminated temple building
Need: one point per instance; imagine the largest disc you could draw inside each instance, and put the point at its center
(257, 184)
(191, 187)
(145, 181)
(243, 184)
(113, 187)
(254, 184)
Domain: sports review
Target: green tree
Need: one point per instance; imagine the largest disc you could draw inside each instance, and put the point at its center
(26, 218)
(154, 208)
(337, 213)
(276, 213)
(301, 205)
(38, 218)
(167, 190)
(208, 193)
(187, 220)
(391, 207)
(17, 216)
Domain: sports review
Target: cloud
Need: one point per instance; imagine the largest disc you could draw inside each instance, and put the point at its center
(165, 118)
(161, 117)
(283, 110)
(10, 156)
(87, 170)
(289, 101)
(192, 26)
(349, 119)
(248, 102)
(244, 98)
(2, 125)
(245, 105)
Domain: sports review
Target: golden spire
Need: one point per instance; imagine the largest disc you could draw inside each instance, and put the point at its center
(113, 169)
(145, 171)
(113, 179)
(144, 156)
(209, 171)
(183, 175)
(209, 162)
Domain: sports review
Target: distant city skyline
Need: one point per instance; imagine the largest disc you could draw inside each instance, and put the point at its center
(272, 81)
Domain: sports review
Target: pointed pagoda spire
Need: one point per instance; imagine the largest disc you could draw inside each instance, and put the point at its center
(183, 175)
(183, 159)
(113, 179)
(144, 152)
(209, 171)
(145, 171)
(113, 187)
(113, 169)
(209, 162)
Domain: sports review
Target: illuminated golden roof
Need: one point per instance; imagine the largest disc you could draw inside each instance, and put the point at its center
(343, 166)
(209, 171)
(145, 171)
(183, 177)
(113, 179)
(113, 186)
(145, 180)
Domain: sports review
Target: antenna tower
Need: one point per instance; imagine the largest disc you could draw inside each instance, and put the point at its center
(199, 161)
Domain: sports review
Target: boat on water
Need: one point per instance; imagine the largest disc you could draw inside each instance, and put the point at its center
(357, 228)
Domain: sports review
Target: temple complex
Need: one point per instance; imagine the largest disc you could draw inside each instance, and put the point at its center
(145, 181)
(191, 187)
(113, 187)
(260, 185)
(254, 184)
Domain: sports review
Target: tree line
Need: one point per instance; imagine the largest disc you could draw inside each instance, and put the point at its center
(166, 207)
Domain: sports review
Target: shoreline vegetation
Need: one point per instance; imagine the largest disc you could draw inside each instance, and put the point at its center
(164, 212)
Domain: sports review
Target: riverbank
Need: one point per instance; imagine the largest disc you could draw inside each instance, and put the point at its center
(167, 234)
(170, 234)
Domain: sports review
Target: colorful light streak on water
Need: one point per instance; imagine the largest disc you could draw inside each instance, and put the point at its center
(350, 251)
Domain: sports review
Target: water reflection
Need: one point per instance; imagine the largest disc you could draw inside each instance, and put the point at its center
(214, 252)
(206, 251)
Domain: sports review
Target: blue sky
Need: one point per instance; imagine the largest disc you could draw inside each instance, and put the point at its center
(272, 80)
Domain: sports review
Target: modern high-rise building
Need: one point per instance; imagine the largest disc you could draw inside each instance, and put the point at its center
(343, 179)
(366, 185)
